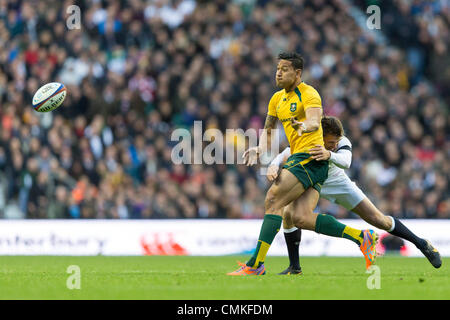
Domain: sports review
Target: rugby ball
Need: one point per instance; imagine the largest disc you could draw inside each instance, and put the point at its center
(49, 97)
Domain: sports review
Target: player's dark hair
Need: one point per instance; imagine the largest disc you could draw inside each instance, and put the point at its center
(293, 57)
(332, 125)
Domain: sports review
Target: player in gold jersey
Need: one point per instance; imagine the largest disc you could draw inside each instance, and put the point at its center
(299, 107)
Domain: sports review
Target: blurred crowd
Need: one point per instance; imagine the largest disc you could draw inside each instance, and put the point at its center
(136, 70)
(422, 29)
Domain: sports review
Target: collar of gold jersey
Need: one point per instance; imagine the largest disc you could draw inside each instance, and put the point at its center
(286, 96)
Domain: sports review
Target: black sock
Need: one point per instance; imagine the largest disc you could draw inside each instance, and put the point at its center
(403, 232)
(293, 242)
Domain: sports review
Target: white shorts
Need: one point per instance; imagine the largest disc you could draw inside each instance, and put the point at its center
(344, 193)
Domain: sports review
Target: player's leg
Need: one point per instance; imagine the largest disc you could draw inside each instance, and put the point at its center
(305, 218)
(286, 189)
(348, 195)
(312, 174)
(293, 236)
(370, 213)
(288, 223)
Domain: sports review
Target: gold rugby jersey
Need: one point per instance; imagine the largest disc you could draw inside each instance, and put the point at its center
(285, 105)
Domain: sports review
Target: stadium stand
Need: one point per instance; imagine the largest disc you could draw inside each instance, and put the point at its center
(136, 70)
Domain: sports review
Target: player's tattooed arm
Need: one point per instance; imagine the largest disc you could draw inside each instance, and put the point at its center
(252, 154)
(266, 135)
(270, 122)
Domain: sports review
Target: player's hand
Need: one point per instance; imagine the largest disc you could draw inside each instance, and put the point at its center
(319, 153)
(298, 126)
(251, 156)
(272, 172)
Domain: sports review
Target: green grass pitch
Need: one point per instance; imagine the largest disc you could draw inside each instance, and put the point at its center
(180, 278)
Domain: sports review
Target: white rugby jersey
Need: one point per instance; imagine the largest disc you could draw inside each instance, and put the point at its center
(340, 159)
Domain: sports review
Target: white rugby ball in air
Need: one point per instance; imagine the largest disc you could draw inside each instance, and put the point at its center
(49, 97)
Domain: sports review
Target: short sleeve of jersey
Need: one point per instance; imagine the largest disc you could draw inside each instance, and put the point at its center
(344, 144)
(273, 104)
(311, 99)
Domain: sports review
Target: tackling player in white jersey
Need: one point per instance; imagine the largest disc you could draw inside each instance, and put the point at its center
(339, 189)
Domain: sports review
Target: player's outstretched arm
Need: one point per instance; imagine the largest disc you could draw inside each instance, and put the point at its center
(312, 122)
(342, 158)
(251, 155)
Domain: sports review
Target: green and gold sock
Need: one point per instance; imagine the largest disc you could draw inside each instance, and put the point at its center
(269, 229)
(328, 225)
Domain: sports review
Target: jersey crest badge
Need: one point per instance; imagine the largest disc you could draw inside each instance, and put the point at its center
(293, 106)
